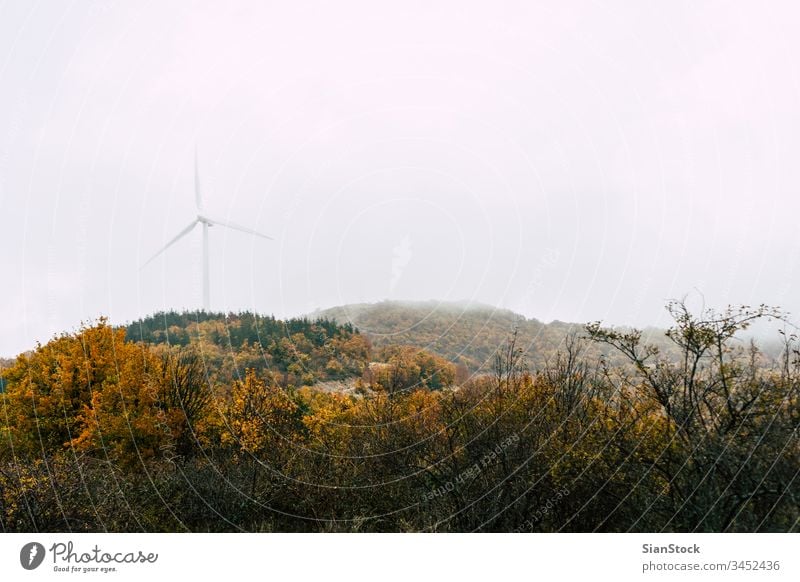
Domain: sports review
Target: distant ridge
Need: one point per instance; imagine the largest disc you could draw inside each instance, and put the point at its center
(462, 331)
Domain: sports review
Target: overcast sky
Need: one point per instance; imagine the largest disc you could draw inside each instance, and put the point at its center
(568, 160)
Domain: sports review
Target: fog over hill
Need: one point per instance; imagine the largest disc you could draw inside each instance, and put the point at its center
(464, 332)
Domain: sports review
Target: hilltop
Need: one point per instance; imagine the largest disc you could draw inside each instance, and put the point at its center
(337, 343)
(298, 351)
(462, 332)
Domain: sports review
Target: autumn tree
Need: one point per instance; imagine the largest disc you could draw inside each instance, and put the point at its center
(726, 439)
(407, 368)
(264, 423)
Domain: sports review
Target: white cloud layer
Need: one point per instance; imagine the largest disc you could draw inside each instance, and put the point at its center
(571, 160)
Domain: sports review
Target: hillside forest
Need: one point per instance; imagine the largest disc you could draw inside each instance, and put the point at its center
(384, 419)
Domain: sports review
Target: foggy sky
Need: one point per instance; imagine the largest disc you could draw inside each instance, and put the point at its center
(568, 160)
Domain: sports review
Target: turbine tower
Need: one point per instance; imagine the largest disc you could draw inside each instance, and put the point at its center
(201, 218)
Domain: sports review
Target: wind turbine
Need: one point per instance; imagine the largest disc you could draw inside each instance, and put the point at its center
(207, 222)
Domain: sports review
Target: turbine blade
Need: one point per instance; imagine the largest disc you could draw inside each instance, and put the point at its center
(181, 234)
(198, 197)
(235, 226)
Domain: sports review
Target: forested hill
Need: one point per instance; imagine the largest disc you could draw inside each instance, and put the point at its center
(302, 350)
(339, 342)
(465, 333)
(232, 329)
(101, 433)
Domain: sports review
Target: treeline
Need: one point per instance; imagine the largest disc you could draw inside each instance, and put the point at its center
(101, 433)
(180, 328)
(303, 351)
